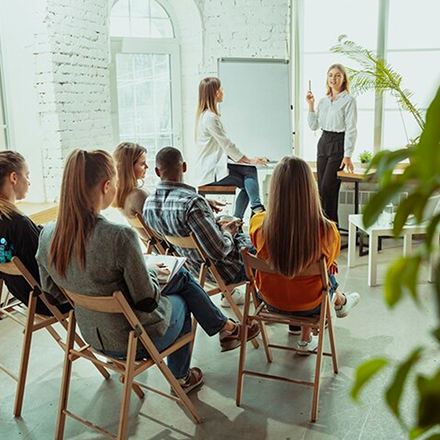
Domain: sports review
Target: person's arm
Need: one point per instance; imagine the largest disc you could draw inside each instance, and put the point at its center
(331, 245)
(215, 243)
(215, 128)
(313, 117)
(350, 128)
(142, 283)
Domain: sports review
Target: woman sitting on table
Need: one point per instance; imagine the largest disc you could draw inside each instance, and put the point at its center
(18, 233)
(85, 253)
(292, 235)
(215, 150)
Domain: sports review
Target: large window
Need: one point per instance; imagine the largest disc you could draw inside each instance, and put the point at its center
(3, 126)
(145, 77)
(411, 44)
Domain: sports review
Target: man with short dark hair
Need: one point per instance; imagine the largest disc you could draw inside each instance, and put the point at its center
(176, 209)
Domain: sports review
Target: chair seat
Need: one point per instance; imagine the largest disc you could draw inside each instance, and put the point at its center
(217, 189)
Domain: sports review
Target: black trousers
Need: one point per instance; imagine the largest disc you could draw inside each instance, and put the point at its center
(330, 155)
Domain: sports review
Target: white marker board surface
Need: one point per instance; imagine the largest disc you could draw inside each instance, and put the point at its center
(256, 111)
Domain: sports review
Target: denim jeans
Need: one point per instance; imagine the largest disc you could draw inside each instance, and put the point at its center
(207, 314)
(333, 286)
(244, 177)
(180, 325)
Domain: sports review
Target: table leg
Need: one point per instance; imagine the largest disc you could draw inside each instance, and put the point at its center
(351, 244)
(433, 260)
(372, 260)
(407, 245)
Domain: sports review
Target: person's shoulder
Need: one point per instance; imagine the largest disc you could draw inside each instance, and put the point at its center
(349, 98)
(209, 117)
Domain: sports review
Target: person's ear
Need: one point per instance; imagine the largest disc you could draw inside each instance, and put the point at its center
(13, 178)
(106, 186)
(157, 171)
(184, 167)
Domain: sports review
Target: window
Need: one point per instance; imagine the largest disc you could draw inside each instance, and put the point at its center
(145, 75)
(3, 126)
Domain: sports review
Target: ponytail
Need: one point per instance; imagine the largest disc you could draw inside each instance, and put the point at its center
(10, 162)
(76, 217)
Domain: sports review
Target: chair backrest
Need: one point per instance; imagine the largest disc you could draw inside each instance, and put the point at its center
(252, 263)
(9, 269)
(188, 242)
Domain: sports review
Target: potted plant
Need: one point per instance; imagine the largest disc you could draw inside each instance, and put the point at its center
(365, 158)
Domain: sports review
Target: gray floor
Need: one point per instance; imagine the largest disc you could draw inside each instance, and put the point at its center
(270, 410)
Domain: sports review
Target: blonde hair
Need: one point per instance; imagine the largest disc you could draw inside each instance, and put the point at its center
(345, 84)
(294, 219)
(83, 172)
(208, 89)
(10, 162)
(126, 155)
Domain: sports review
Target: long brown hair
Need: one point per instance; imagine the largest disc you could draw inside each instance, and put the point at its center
(126, 155)
(345, 84)
(294, 220)
(76, 217)
(10, 162)
(208, 89)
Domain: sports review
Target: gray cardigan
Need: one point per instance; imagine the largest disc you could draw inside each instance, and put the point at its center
(114, 261)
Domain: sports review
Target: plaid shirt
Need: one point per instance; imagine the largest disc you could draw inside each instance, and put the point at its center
(175, 209)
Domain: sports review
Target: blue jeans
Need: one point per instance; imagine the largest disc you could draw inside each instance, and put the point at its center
(333, 286)
(244, 177)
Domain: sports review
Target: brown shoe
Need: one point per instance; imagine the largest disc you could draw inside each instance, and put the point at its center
(192, 380)
(232, 340)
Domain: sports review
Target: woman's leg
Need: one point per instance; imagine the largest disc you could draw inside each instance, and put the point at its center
(180, 324)
(250, 180)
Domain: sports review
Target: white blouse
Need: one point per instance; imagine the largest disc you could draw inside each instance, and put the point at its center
(337, 116)
(214, 149)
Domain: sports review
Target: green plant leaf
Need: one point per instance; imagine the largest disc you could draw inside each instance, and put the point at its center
(411, 276)
(436, 334)
(434, 437)
(405, 208)
(417, 432)
(365, 373)
(429, 400)
(395, 390)
(430, 231)
(394, 282)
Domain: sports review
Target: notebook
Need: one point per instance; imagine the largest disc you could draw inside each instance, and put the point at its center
(173, 264)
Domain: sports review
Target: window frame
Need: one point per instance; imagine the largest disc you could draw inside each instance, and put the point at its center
(4, 125)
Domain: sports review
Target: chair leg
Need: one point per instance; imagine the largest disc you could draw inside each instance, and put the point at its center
(265, 338)
(65, 383)
(237, 312)
(128, 386)
(25, 353)
(194, 331)
(331, 336)
(318, 363)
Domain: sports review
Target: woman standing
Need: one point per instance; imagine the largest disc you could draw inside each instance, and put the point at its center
(336, 116)
(215, 149)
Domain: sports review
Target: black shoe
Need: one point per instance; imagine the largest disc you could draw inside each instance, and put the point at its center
(294, 329)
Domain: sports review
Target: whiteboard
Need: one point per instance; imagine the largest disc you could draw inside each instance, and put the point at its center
(256, 110)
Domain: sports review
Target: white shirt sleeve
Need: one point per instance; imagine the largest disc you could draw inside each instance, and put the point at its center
(312, 119)
(215, 128)
(350, 128)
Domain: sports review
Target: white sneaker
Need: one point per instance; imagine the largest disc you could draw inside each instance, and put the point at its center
(352, 300)
(304, 347)
(237, 295)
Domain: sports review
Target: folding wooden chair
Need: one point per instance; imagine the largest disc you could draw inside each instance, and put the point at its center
(151, 239)
(31, 324)
(263, 314)
(208, 266)
(128, 368)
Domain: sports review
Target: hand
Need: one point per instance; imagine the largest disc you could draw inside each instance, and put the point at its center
(161, 270)
(231, 227)
(215, 205)
(258, 160)
(310, 100)
(333, 270)
(347, 162)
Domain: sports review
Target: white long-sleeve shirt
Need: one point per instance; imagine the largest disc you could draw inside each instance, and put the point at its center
(337, 116)
(214, 149)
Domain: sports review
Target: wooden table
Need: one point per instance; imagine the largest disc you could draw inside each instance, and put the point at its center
(39, 213)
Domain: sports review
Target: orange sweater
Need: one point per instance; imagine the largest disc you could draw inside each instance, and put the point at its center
(291, 294)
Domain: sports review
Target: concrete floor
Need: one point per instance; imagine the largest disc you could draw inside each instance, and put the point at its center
(270, 410)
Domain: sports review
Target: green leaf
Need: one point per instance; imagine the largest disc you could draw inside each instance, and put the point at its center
(405, 208)
(429, 401)
(365, 373)
(436, 334)
(434, 437)
(394, 281)
(411, 276)
(395, 390)
(430, 231)
(417, 432)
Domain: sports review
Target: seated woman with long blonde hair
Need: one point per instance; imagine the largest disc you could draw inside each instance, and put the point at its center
(291, 235)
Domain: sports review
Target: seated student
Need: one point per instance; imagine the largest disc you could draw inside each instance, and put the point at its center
(85, 253)
(176, 209)
(292, 235)
(18, 233)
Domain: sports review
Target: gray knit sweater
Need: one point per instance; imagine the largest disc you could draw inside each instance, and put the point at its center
(114, 261)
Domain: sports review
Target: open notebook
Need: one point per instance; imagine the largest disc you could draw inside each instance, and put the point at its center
(173, 264)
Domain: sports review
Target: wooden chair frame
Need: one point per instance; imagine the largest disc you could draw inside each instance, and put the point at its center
(32, 323)
(263, 315)
(208, 266)
(128, 368)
